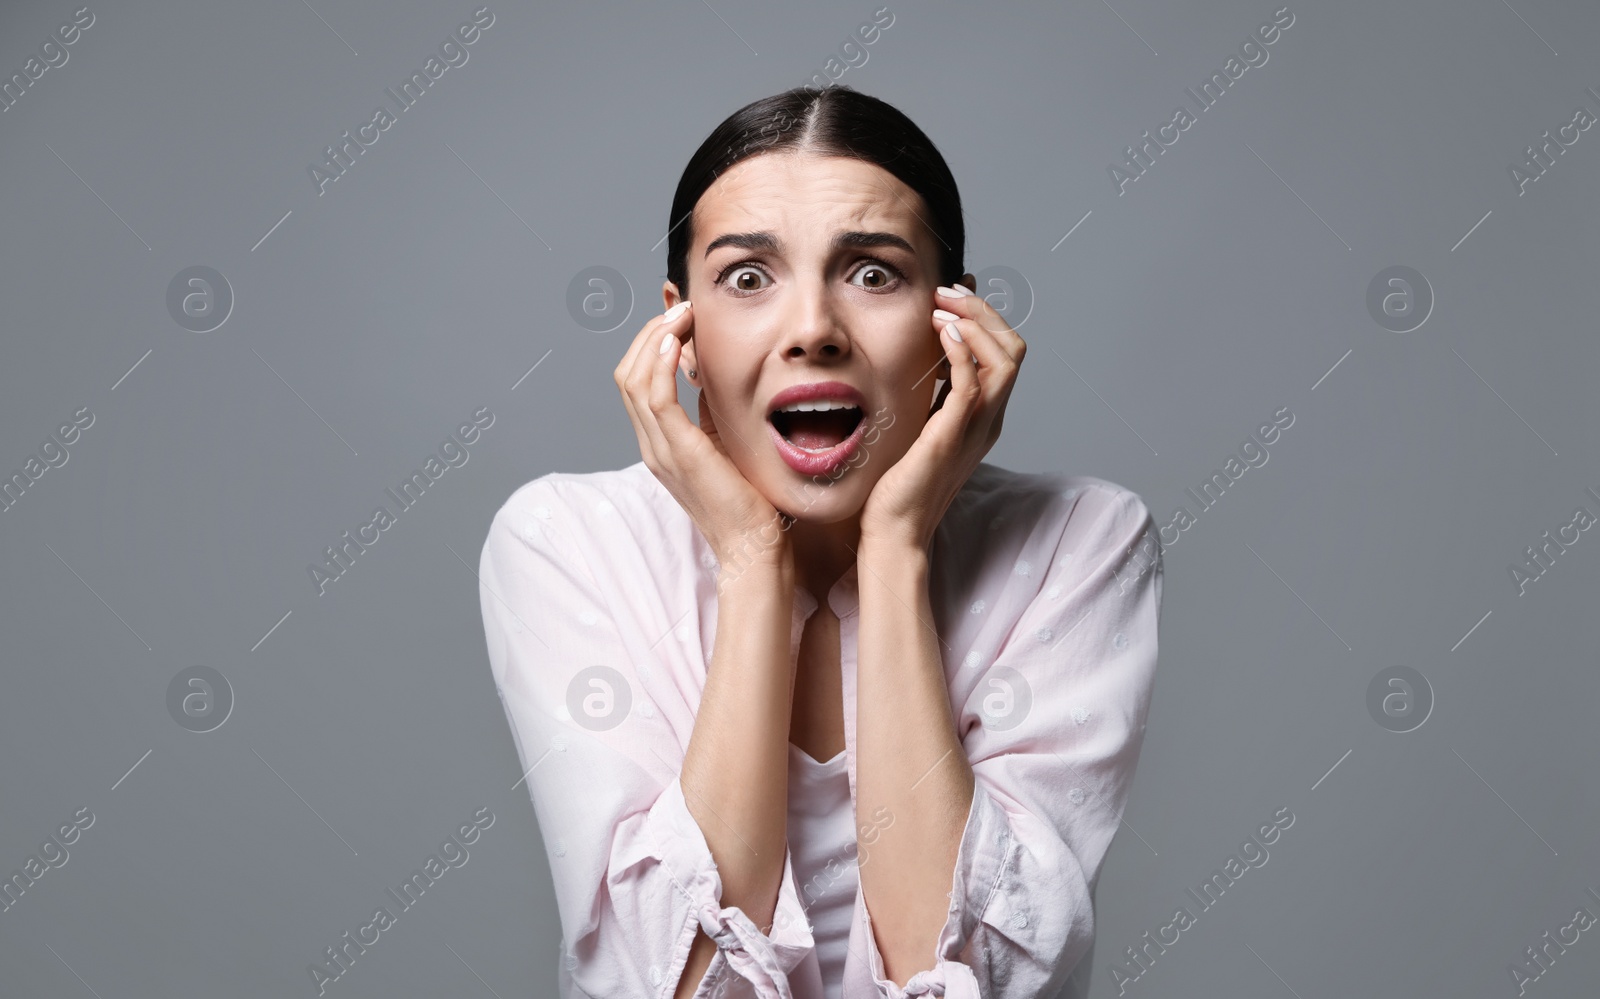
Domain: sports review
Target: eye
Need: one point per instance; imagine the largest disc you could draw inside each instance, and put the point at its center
(883, 274)
(740, 272)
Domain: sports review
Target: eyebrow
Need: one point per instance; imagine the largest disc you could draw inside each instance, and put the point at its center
(853, 239)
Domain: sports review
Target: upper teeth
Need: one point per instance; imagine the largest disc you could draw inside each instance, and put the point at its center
(820, 405)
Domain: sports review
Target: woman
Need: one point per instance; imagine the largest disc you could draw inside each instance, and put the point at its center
(811, 701)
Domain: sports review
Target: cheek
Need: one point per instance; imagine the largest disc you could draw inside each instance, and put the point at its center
(726, 374)
(888, 437)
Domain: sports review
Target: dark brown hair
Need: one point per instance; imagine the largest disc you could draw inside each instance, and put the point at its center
(835, 121)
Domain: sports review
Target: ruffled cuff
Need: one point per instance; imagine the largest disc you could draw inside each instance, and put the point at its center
(987, 844)
(950, 979)
(766, 961)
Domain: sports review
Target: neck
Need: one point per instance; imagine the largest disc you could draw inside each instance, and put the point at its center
(823, 553)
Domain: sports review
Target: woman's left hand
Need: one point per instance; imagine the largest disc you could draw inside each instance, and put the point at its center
(906, 505)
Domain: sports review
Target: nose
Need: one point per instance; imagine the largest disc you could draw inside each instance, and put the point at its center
(814, 328)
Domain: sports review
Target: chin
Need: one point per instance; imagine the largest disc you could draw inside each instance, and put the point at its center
(819, 501)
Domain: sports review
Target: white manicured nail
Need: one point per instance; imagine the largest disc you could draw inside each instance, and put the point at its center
(674, 312)
(666, 343)
(955, 334)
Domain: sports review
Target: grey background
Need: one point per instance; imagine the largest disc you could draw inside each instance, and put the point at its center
(1226, 283)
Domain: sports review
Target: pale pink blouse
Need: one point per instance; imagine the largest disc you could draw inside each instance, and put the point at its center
(600, 606)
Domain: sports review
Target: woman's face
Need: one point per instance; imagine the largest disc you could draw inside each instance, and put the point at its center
(819, 269)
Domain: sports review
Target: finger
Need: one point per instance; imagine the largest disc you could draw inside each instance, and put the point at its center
(638, 389)
(620, 376)
(995, 365)
(643, 337)
(671, 421)
(997, 374)
(962, 394)
(647, 440)
(962, 300)
(629, 356)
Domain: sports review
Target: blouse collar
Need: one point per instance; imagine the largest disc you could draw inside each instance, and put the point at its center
(844, 598)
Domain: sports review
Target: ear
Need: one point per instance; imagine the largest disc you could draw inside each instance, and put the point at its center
(970, 280)
(687, 361)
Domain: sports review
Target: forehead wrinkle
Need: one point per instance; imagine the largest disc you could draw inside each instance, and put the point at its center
(766, 241)
(774, 189)
(915, 214)
(884, 182)
(853, 229)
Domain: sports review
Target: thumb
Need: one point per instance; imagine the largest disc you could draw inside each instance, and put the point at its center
(708, 425)
(940, 392)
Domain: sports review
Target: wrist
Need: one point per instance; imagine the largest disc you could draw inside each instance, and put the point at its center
(897, 541)
(886, 556)
(751, 547)
(756, 567)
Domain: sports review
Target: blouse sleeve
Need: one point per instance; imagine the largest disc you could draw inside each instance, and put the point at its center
(1053, 728)
(634, 877)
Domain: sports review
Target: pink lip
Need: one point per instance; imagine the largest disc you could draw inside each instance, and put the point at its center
(817, 390)
(823, 462)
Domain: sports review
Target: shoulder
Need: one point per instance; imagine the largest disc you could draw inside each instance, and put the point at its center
(578, 494)
(1045, 504)
(592, 512)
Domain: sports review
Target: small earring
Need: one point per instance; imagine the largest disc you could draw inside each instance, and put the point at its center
(691, 372)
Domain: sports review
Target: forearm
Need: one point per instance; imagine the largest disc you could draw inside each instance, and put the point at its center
(736, 768)
(694, 970)
(908, 758)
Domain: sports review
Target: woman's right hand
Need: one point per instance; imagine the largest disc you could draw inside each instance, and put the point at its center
(740, 524)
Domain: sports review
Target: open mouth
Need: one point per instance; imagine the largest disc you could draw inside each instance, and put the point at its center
(816, 428)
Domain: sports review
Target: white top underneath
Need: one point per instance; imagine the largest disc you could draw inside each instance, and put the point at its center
(1046, 589)
(822, 844)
